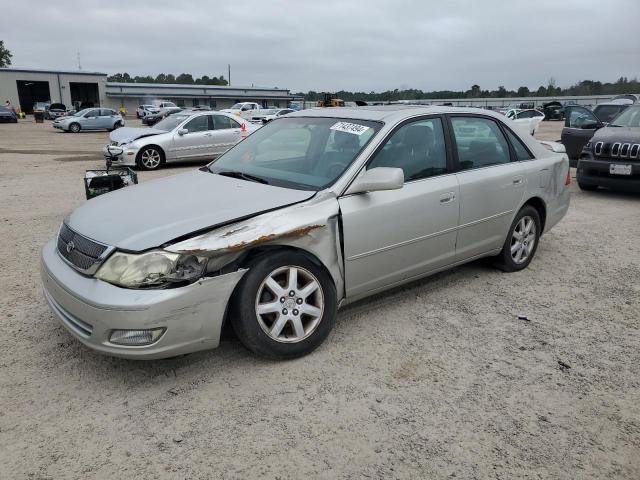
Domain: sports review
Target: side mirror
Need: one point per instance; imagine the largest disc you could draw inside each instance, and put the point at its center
(183, 131)
(377, 179)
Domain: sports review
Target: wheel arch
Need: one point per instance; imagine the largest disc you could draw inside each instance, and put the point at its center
(541, 207)
(163, 154)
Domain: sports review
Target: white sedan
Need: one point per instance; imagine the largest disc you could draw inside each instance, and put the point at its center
(528, 119)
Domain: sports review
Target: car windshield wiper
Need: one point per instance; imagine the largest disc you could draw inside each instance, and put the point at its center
(243, 176)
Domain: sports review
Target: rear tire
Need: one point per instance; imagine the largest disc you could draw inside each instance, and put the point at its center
(285, 306)
(74, 128)
(522, 241)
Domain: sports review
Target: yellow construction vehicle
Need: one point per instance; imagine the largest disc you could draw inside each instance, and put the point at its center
(330, 100)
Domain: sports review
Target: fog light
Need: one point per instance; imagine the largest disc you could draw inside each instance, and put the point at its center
(136, 337)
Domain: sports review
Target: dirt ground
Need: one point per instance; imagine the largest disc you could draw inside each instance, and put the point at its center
(437, 379)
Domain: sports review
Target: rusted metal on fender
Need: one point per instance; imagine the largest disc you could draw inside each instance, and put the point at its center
(311, 226)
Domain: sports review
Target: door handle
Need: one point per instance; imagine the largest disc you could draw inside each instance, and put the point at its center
(517, 181)
(207, 134)
(447, 197)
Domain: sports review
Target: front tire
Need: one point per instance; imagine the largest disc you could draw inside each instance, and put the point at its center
(74, 128)
(150, 158)
(522, 241)
(285, 306)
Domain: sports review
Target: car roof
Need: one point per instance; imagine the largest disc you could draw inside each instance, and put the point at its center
(388, 113)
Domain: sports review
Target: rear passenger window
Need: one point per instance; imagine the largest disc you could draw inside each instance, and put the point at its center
(521, 151)
(479, 142)
(417, 148)
(222, 122)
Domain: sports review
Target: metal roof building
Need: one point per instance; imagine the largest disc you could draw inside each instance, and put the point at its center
(24, 87)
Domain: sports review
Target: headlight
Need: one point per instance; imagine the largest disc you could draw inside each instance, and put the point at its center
(151, 269)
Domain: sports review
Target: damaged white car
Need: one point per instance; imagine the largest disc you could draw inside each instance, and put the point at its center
(312, 211)
(183, 136)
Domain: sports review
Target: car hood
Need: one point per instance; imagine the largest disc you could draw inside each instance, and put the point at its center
(129, 134)
(617, 134)
(156, 212)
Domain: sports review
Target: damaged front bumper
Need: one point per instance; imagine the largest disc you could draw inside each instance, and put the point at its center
(91, 310)
(120, 155)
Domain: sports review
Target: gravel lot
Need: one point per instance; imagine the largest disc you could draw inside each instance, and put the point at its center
(437, 379)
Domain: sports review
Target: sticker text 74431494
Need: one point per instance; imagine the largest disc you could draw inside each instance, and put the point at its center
(347, 127)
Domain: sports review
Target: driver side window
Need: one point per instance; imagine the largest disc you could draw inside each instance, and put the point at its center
(418, 148)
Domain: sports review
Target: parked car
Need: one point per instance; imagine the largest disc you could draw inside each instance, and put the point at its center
(313, 211)
(245, 110)
(553, 110)
(153, 118)
(267, 114)
(164, 104)
(90, 119)
(8, 115)
(529, 119)
(582, 122)
(55, 110)
(144, 110)
(182, 136)
(611, 158)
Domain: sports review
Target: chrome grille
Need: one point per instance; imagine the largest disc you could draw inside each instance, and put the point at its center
(84, 254)
(617, 150)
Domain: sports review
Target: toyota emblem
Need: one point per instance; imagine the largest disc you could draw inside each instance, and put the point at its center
(70, 246)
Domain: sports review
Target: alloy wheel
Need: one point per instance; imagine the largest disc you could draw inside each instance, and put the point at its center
(523, 239)
(289, 304)
(150, 158)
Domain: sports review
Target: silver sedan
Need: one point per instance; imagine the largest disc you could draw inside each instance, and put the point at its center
(200, 136)
(90, 119)
(314, 210)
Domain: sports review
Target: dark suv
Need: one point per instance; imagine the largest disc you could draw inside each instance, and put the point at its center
(581, 123)
(612, 157)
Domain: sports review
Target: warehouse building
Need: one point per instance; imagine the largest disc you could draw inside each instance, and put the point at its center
(25, 87)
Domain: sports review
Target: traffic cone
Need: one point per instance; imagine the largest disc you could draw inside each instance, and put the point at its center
(243, 129)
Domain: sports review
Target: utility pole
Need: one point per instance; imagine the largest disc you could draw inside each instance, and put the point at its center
(79, 65)
(229, 74)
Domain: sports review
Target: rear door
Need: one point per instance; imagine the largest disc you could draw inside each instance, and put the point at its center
(392, 236)
(579, 126)
(491, 184)
(227, 132)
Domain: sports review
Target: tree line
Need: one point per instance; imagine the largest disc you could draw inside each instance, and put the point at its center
(183, 78)
(585, 87)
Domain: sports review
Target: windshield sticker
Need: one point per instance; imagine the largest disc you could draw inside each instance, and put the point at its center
(349, 128)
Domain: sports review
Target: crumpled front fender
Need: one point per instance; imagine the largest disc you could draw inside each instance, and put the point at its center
(311, 226)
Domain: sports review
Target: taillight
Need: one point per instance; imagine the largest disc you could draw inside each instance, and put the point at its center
(567, 181)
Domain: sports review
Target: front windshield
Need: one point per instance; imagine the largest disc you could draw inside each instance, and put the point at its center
(302, 153)
(237, 106)
(81, 112)
(629, 118)
(171, 122)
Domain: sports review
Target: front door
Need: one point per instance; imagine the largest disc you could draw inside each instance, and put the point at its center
(91, 120)
(392, 236)
(195, 143)
(491, 184)
(579, 126)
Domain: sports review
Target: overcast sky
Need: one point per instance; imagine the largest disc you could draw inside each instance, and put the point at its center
(326, 45)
